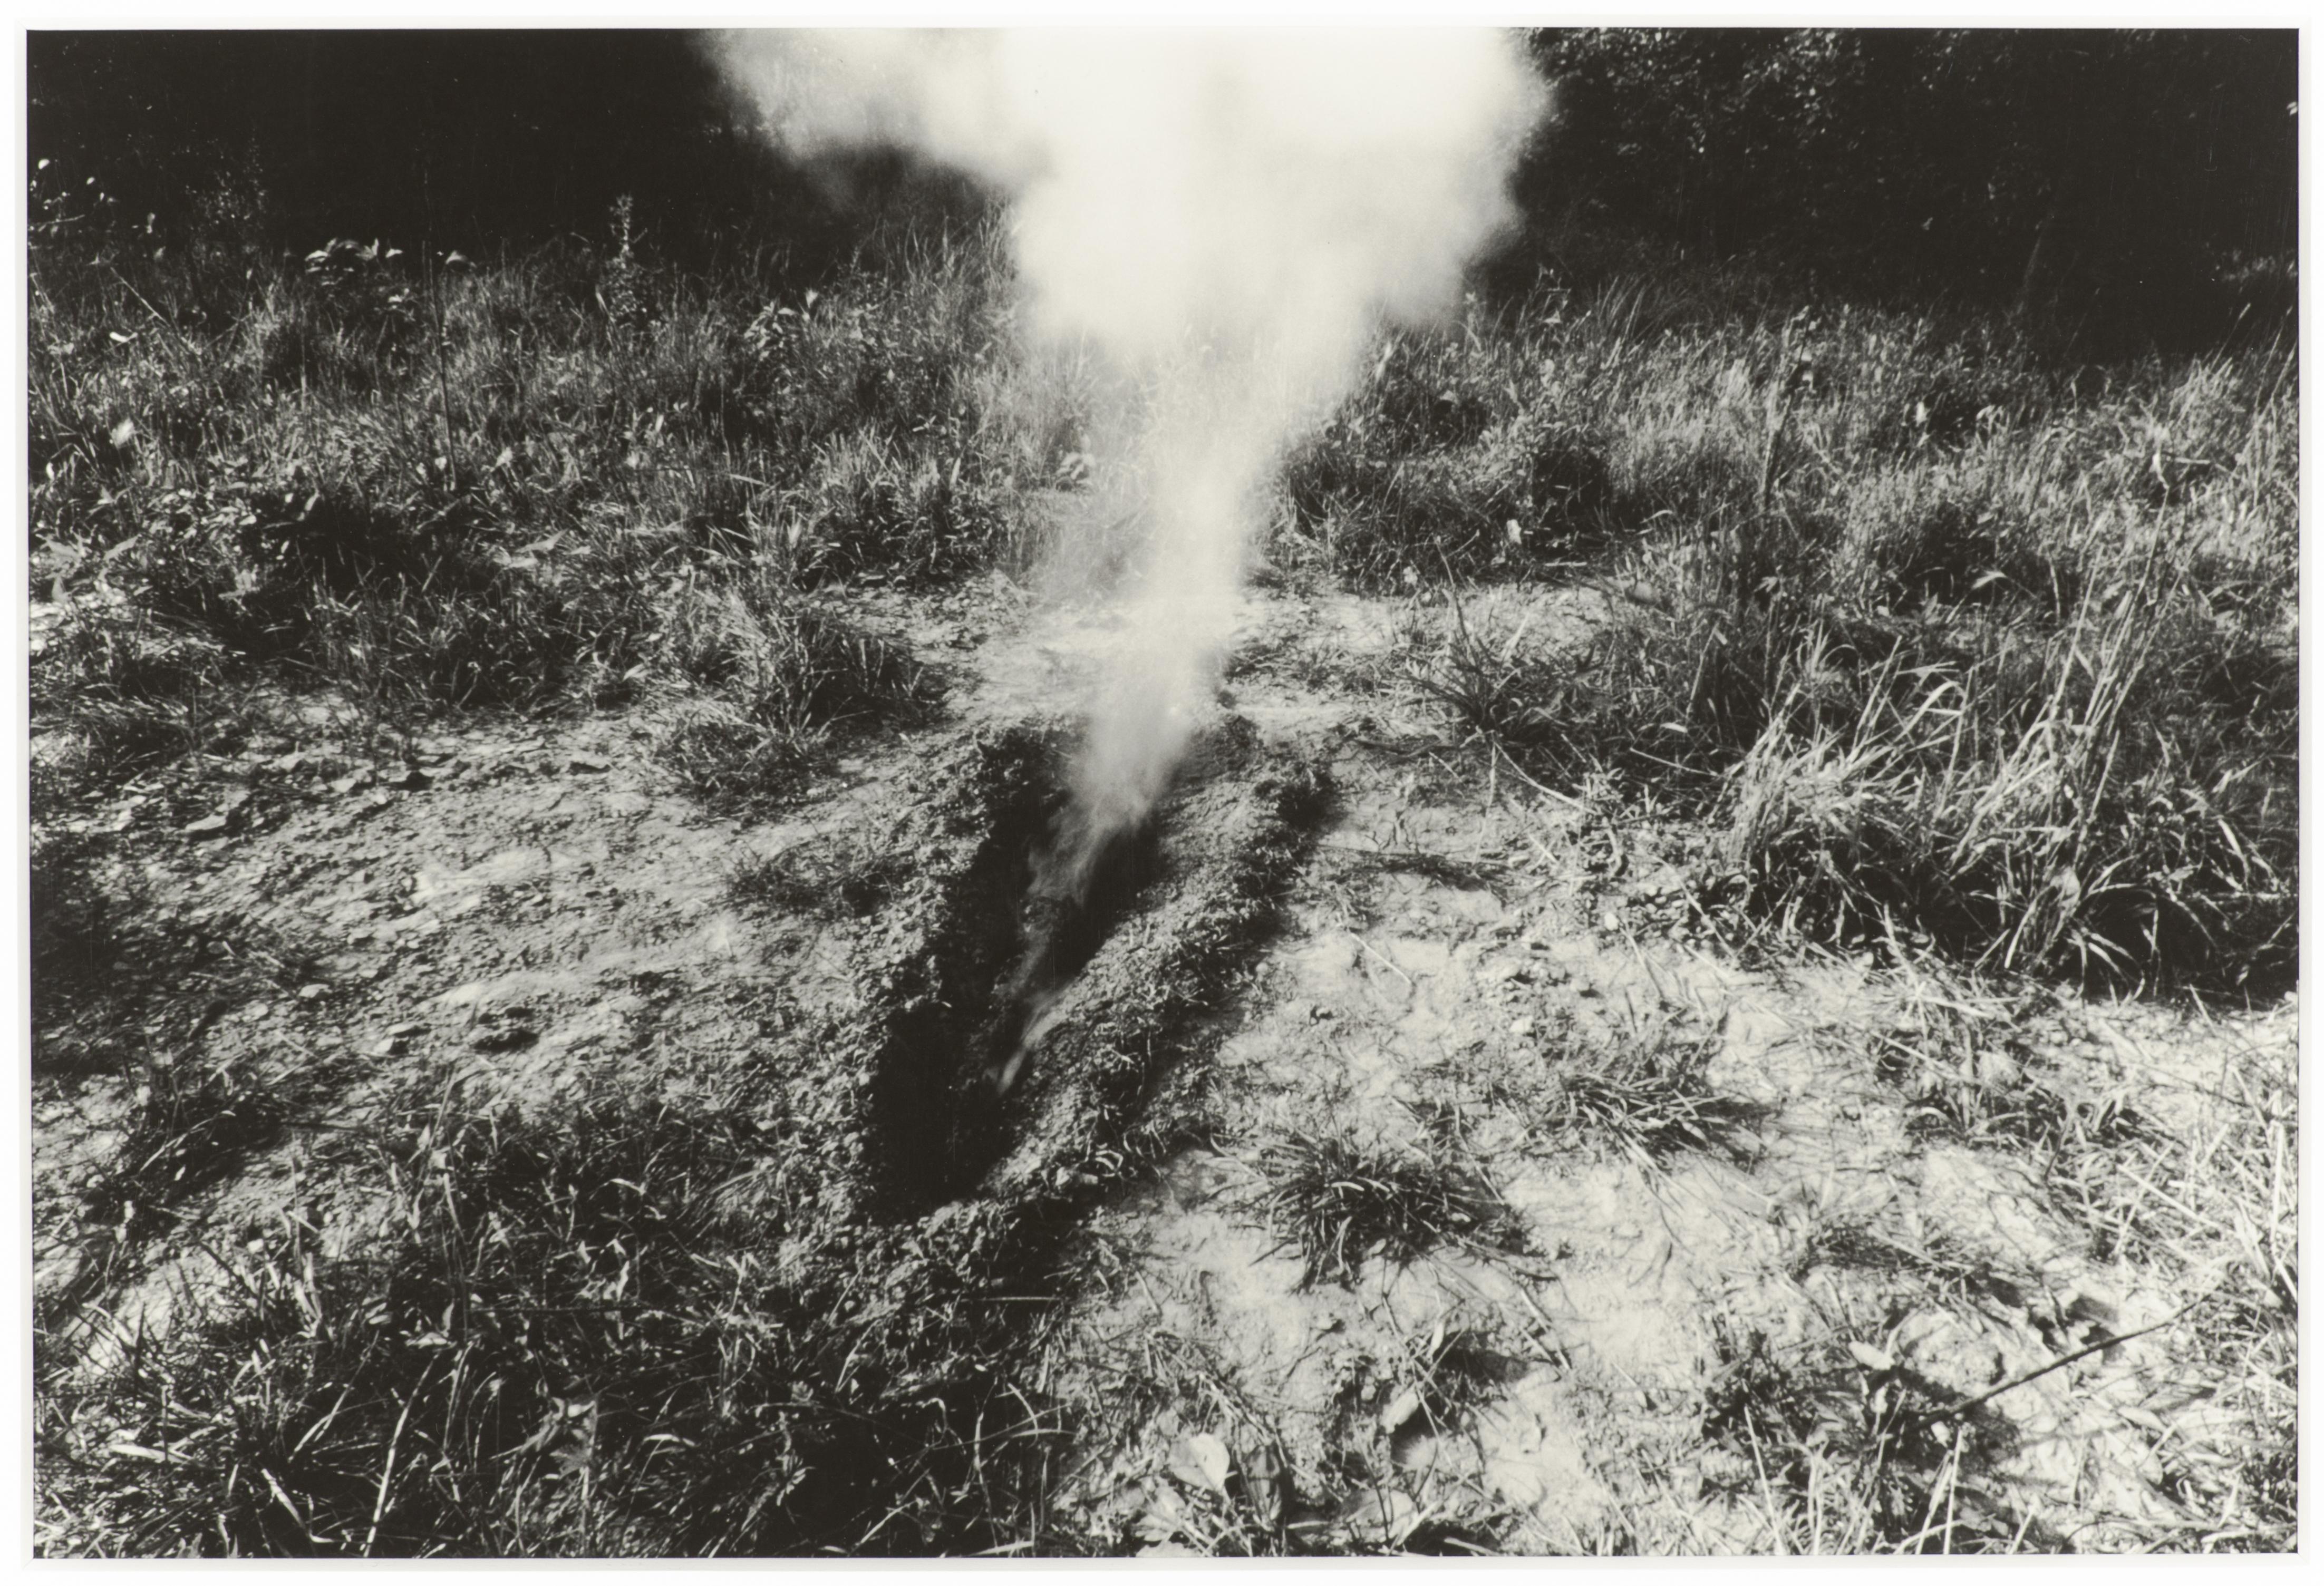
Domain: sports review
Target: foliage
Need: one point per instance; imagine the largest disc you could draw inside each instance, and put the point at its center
(2137, 175)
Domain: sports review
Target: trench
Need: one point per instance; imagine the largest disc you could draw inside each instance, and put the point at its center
(969, 1031)
(1004, 940)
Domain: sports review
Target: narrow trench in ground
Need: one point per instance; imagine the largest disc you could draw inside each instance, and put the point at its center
(1009, 944)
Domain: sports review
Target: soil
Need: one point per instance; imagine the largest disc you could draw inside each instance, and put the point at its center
(1343, 924)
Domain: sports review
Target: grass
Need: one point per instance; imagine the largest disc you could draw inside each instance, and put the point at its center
(1853, 1451)
(826, 880)
(1954, 646)
(443, 484)
(775, 676)
(2216, 1204)
(1961, 655)
(1951, 648)
(1340, 1200)
(575, 1336)
(656, 1311)
(1646, 1091)
(191, 1124)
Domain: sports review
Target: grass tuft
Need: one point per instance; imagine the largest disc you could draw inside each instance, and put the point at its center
(1648, 1092)
(1339, 1201)
(780, 676)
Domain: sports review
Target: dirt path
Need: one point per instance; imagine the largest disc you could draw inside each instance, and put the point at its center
(1428, 1175)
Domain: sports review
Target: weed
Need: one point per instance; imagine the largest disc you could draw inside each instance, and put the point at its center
(1648, 1092)
(783, 677)
(823, 880)
(1338, 1200)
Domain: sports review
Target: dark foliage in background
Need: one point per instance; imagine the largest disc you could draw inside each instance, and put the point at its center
(2115, 178)
(471, 139)
(2135, 179)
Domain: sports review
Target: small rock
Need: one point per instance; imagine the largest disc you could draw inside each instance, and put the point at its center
(408, 777)
(587, 763)
(313, 991)
(235, 800)
(209, 825)
(408, 1027)
(288, 763)
(1521, 1028)
(354, 782)
(1871, 1357)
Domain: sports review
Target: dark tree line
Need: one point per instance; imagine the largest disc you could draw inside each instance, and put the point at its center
(2124, 173)
(471, 138)
(2118, 173)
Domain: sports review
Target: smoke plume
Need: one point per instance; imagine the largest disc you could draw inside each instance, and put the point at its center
(1226, 218)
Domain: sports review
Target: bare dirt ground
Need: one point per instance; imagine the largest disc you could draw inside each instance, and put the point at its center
(1493, 1198)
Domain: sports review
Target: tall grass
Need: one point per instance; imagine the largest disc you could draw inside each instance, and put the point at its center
(576, 1334)
(1952, 645)
(463, 483)
(1954, 642)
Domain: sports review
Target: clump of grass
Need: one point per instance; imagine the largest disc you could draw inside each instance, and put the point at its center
(120, 977)
(781, 676)
(1967, 1079)
(822, 878)
(1461, 446)
(2227, 1226)
(1511, 689)
(2062, 832)
(1648, 1092)
(75, 927)
(439, 484)
(192, 1123)
(1948, 1263)
(1957, 649)
(125, 690)
(125, 989)
(1338, 1200)
(1452, 1370)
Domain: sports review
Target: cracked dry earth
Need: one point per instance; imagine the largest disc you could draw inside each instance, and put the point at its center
(1690, 1231)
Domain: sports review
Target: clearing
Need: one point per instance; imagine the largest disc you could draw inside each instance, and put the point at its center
(534, 1160)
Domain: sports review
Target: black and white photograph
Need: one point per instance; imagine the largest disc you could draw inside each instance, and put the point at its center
(1209, 793)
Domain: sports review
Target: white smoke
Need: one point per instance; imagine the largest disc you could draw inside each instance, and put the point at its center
(1227, 216)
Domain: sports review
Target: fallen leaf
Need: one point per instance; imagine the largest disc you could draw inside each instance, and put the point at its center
(1380, 1516)
(1201, 1459)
